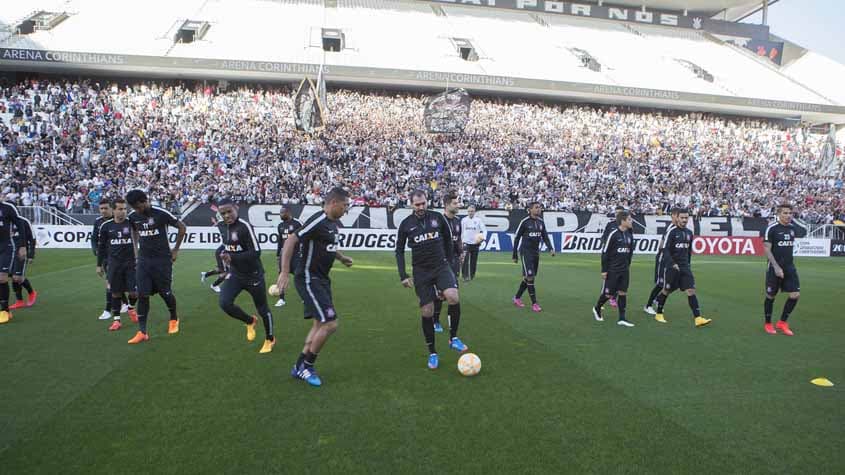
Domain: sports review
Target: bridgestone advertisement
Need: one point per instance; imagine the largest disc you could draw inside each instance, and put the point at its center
(207, 237)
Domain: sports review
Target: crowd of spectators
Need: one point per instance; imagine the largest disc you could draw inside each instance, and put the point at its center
(70, 144)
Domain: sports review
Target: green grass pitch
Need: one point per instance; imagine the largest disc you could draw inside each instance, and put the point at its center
(558, 392)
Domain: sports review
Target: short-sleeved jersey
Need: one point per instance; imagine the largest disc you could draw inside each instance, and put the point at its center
(95, 233)
(115, 243)
(429, 237)
(319, 239)
(782, 239)
(285, 229)
(241, 243)
(24, 236)
(152, 231)
(617, 251)
(455, 228)
(9, 218)
(530, 233)
(677, 247)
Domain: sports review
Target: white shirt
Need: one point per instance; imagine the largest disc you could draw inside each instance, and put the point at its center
(470, 227)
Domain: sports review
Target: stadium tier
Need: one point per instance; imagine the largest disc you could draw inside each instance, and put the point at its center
(524, 50)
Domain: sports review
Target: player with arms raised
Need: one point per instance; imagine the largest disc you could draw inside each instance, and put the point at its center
(428, 234)
(781, 273)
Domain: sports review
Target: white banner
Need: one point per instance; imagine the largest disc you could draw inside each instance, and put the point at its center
(808, 247)
(207, 237)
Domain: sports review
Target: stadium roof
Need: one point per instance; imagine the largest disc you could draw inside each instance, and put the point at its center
(709, 6)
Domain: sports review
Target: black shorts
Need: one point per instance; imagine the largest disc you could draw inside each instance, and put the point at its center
(789, 282)
(616, 281)
(294, 263)
(530, 265)
(428, 283)
(8, 256)
(121, 277)
(19, 267)
(679, 279)
(154, 275)
(316, 294)
(455, 265)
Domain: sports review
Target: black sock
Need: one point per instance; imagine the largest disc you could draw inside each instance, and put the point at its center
(282, 296)
(143, 310)
(438, 307)
(108, 300)
(522, 287)
(656, 290)
(123, 300)
(603, 298)
(267, 319)
(454, 319)
(300, 360)
(661, 301)
(132, 301)
(170, 301)
(4, 296)
(693, 304)
(18, 290)
(532, 292)
(428, 333)
(621, 303)
(212, 272)
(768, 305)
(27, 286)
(219, 280)
(310, 359)
(788, 307)
(115, 308)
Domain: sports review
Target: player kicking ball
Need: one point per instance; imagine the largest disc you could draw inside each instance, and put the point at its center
(428, 234)
(616, 257)
(781, 273)
(677, 252)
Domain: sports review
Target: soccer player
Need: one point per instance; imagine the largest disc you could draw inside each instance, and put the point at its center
(659, 273)
(529, 234)
(105, 215)
(609, 228)
(318, 239)
(677, 252)
(428, 235)
(451, 206)
(471, 227)
(154, 272)
(222, 269)
(287, 227)
(616, 257)
(781, 273)
(24, 236)
(9, 218)
(242, 255)
(117, 249)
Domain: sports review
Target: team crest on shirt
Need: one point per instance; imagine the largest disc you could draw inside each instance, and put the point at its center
(151, 221)
(234, 236)
(126, 231)
(434, 223)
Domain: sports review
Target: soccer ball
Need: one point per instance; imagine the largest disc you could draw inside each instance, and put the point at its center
(469, 364)
(274, 290)
(479, 238)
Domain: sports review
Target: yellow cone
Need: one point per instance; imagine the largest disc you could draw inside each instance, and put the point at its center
(824, 382)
